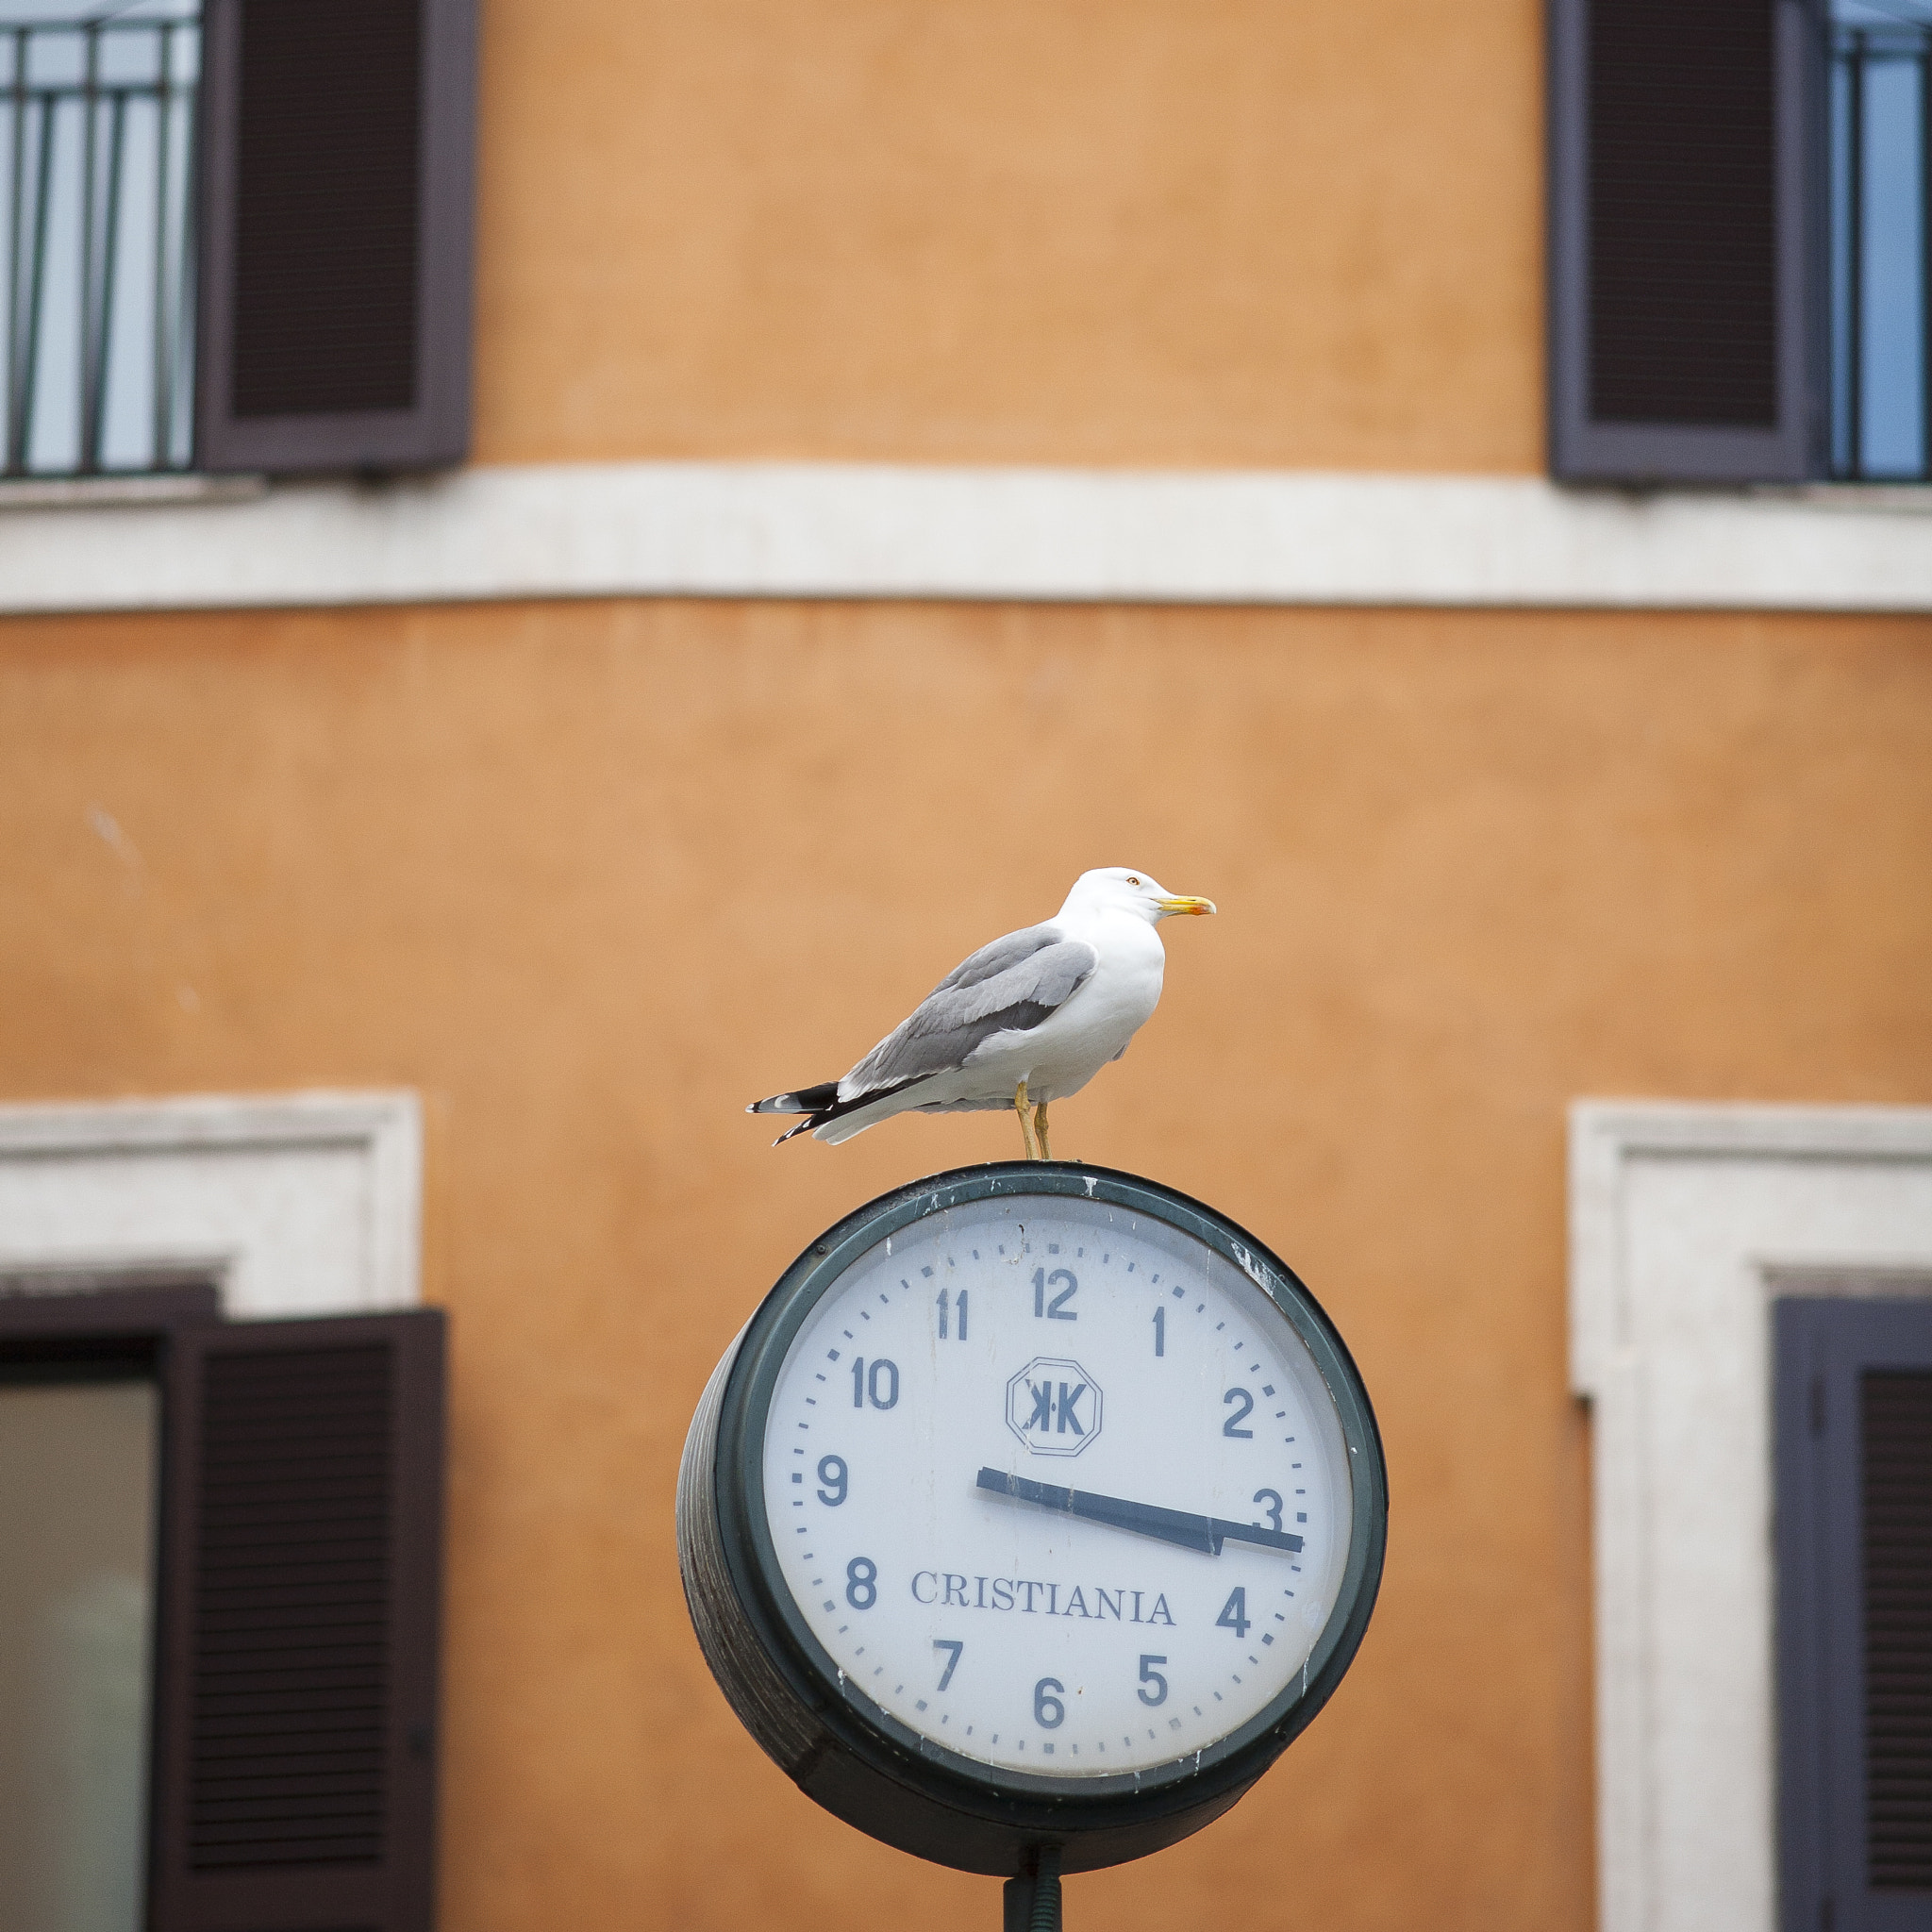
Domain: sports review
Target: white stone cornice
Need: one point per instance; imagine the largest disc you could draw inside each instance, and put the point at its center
(828, 530)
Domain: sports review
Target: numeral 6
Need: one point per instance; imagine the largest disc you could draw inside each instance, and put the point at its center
(1049, 1713)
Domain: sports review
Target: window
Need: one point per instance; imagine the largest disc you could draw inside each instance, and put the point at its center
(222, 1548)
(1737, 240)
(1881, 164)
(238, 235)
(1688, 1225)
(1853, 1414)
(79, 1443)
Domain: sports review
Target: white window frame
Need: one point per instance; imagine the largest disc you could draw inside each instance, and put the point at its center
(304, 1204)
(1686, 1221)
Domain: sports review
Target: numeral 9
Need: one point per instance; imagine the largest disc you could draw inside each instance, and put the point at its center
(832, 1474)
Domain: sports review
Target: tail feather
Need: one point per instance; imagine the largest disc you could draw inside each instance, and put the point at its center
(805, 1100)
(821, 1105)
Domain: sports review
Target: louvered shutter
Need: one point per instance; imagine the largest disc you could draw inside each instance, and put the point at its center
(1687, 334)
(295, 1688)
(336, 220)
(1854, 1482)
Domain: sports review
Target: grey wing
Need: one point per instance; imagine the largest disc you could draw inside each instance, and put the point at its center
(962, 1014)
(995, 957)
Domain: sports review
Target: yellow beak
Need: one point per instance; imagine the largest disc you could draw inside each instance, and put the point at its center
(1181, 903)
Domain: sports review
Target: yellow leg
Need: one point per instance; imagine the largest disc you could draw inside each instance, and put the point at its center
(1020, 1109)
(1040, 1130)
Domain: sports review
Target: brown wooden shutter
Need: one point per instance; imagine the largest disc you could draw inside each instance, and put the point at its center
(1687, 338)
(1853, 1414)
(295, 1683)
(1895, 1484)
(336, 216)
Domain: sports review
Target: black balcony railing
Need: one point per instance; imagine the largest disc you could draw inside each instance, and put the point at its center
(96, 191)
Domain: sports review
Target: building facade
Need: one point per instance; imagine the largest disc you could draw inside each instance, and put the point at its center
(916, 455)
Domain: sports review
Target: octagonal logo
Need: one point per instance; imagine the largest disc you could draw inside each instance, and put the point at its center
(1052, 1406)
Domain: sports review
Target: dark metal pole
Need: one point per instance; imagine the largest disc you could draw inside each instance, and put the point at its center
(20, 426)
(162, 397)
(91, 99)
(15, 219)
(187, 324)
(1033, 1900)
(17, 188)
(110, 250)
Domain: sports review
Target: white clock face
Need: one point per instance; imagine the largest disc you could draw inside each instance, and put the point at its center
(1058, 1487)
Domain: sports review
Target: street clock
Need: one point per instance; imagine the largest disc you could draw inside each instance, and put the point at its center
(1032, 1516)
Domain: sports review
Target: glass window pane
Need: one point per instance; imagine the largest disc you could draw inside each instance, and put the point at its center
(1893, 429)
(1881, 160)
(77, 1558)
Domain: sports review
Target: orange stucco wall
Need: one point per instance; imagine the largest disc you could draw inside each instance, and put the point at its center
(590, 877)
(1234, 232)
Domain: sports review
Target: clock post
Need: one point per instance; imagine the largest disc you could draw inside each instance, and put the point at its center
(1032, 1516)
(1033, 1899)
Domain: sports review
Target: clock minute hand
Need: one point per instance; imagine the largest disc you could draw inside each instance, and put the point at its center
(1204, 1533)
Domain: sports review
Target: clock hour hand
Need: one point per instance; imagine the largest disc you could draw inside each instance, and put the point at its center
(1204, 1533)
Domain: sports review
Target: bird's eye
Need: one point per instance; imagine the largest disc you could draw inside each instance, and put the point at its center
(1132, 880)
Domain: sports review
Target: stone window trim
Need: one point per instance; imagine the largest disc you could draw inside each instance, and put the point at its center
(1686, 1221)
(296, 1204)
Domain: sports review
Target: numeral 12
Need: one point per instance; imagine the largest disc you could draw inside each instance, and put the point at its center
(1056, 1309)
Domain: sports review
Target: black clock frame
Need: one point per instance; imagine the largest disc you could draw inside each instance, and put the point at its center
(855, 1758)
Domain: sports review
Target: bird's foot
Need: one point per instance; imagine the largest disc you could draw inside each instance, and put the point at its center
(1020, 1109)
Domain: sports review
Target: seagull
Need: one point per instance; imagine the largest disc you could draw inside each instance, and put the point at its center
(1026, 1021)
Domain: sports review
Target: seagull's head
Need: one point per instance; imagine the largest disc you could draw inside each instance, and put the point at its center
(1120, 888)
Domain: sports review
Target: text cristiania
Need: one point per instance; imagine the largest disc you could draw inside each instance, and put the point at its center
(1033, 1598)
